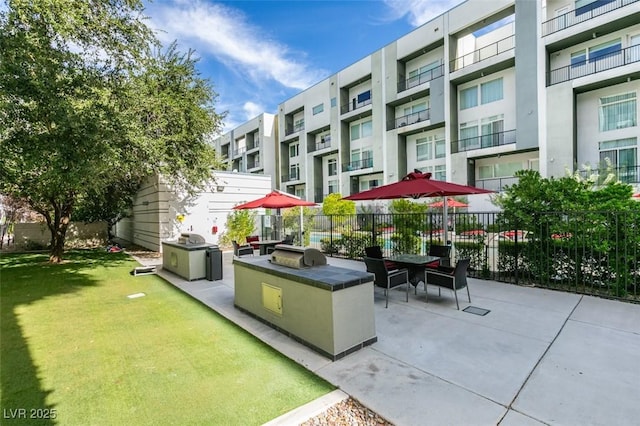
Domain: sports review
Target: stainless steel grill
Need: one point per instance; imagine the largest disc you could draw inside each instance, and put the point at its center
(191, 239)
(297, 257)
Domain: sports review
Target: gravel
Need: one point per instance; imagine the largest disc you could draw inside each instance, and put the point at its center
(347, 413)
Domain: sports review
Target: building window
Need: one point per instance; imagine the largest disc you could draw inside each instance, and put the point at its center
(491, 91)
(469, 97)
(499, 170)
(364, 96)
(298, 125)
(618, 112)
(361, 130)
(441, 149)
(294, 172)
(334, 102)
(333, 186)
(424, 149)
(299, 192)
(332, 167)
(468, 136)
(585, 6)
(622, 155)
(318, 109)
(596, 53)
(294, 150)
(361, 158)
(492, 131)
(440, 172)
(422, 106)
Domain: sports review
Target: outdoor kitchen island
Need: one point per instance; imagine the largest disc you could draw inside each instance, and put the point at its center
(325, 307)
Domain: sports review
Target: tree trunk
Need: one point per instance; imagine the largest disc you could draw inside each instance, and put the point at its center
(58, 225)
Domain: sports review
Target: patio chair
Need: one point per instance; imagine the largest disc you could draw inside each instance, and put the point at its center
(288, 239)
(251, 239)
(386, 278)
(444, 253)
(241, 250)
(454, 280)
(376, 253)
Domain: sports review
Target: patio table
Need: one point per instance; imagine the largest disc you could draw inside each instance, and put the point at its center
(415, 264)
(265, 244)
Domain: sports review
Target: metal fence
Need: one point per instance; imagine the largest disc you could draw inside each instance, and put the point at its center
(595, 253)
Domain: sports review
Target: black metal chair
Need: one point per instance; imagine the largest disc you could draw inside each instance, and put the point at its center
(376, 253)
(288, 239)
(239, 250)
(454, 280)
(386, 278)
(444, 253)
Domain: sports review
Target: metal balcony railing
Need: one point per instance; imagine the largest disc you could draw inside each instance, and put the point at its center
(419, 79)
(291, 177)
(625, 174)
(256, 144)
(358, 165)
(494, 49)
(239, 151)
(289, 130)
(405, 120)
(582, 14)
(595, 65)
(253, 165)
(496, 184)
(326, 143)
(354, 105)
(484, 141)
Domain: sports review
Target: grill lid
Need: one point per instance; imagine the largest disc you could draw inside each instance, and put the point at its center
(297, 257)
(190, 238)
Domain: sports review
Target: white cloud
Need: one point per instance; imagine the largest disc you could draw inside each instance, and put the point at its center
(252, 109)
(419, 12)
(225, 33)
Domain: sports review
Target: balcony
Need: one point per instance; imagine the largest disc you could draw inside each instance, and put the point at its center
(419, 79)
(496, 184)
(406, 120)
(625, 174)
(254, 145)
(604, 62)
(354, 105)
(253, 164)
(484, 141)
(358, 165)
(238, 152)
(582, 14)
(289, 130)
(494, 49)
(324, 144)
(291, 177)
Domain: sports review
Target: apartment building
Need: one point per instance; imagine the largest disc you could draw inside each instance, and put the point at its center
(486, 89)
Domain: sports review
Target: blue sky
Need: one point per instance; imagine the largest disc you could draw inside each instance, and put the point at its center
(259, 53)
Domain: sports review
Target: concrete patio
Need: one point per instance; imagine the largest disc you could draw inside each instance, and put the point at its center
(538, 357)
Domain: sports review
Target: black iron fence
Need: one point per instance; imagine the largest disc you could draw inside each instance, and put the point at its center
(595, 253)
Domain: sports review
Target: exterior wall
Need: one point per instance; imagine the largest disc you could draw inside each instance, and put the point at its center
(27, 235)
(157, 206)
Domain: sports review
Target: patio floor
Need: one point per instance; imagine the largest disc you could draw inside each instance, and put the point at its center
(538, 357)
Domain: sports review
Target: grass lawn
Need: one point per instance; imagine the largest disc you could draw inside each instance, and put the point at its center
(75, 346)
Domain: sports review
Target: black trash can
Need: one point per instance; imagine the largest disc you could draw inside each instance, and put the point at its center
(213, 263)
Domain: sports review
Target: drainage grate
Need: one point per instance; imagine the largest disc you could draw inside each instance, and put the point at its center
(476, 311)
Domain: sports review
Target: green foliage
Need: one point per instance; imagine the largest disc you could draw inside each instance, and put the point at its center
(240, 224)
(86, 98)
(333, 204)
(291, 220)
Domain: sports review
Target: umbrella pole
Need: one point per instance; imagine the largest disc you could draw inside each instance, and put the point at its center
(445, 220)
(301, 221)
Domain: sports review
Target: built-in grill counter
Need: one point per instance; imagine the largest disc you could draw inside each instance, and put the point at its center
(328, 308)
(186, 257)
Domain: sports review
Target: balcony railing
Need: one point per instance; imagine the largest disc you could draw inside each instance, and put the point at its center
(494, 49)
(419, 79)
(291, 177)
(582, 14)
(253, 165)
(289, 130)
(496, 184)
(484, 141)
(354, 105)
(405, 120)
(326, 143)
(358, 165)
(256, 144)
(601, 63)
(625, 174)
(239, 151)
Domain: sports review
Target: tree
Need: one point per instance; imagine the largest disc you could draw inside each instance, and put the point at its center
(240, 223)
(84, 101)
(333, 204)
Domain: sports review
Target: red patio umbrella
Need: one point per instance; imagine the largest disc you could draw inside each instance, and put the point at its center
(636, 195)
(418, 185)
(277, 200)
(451, 202)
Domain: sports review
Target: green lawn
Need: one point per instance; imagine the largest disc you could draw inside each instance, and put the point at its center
(74, 344)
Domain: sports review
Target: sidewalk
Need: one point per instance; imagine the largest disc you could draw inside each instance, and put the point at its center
(538, 357)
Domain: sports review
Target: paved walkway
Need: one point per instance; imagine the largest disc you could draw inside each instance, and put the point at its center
(538, 357)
